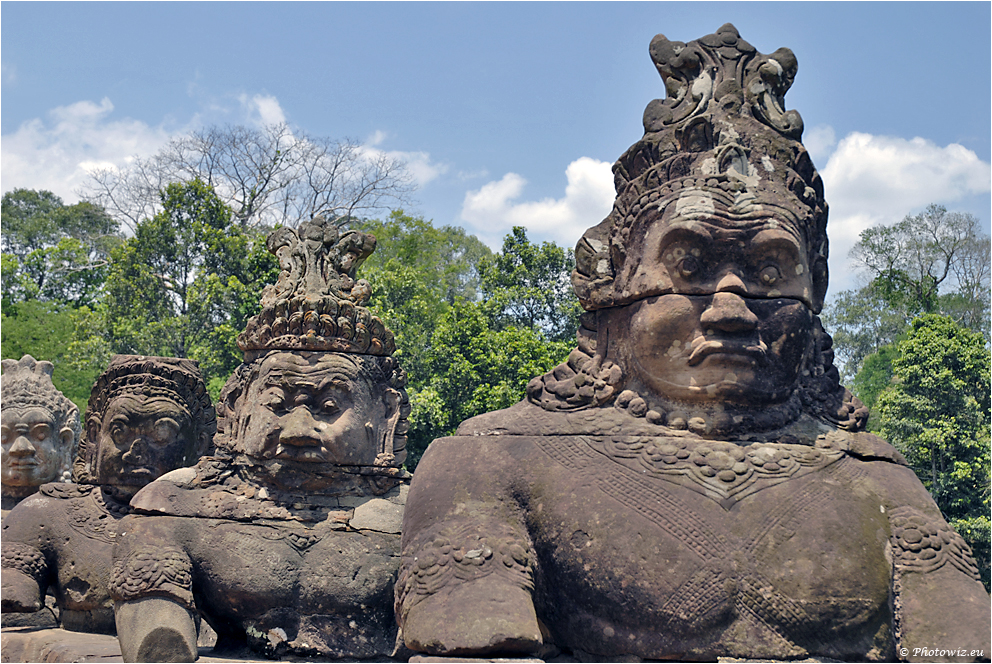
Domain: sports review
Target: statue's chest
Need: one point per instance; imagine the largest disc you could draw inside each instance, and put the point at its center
(695, 538)
(251, 568)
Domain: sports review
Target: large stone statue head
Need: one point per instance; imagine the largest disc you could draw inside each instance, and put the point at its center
(40, 427)
(705, 281)
(318, 392)
(146, 416)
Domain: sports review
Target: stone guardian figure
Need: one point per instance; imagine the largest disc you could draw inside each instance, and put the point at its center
(287, 540)
(40, 429)
(693, 482)
(145, 417)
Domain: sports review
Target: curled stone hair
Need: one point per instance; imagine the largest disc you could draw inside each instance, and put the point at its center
(382, 373)
(28, 382)
(173, 378)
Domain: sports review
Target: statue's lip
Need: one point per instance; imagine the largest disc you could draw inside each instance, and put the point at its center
(26, 463)
(753, 351)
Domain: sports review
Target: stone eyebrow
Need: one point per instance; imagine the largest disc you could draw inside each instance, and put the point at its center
(685, 230)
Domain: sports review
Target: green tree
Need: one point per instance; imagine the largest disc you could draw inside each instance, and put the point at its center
(417, 272)
(187, 282)
(54, 252)
(529, 285)
(933, 262)
(936, 412)
(473, 369)
(46, 332)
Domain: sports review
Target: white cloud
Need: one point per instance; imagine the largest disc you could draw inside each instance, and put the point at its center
(490, 212)
(262, 109)
(56, 153)
(418, 164)
(870, 180)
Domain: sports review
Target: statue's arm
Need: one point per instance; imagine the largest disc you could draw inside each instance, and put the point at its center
(25, 566)
(466, 582)
(152, 588)
(942, 610)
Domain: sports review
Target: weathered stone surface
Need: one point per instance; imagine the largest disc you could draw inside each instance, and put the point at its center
(693, 482)
(286, 541)
(146, 416)
(40, 429)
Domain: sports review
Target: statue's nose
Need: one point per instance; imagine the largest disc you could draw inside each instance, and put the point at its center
(135, 451)
(728, 312)
(22, 447)
(299, 428)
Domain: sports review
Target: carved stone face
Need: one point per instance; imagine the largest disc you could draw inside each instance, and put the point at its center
(31, 446)
(141, 438)
(738, 321)
(311, 408)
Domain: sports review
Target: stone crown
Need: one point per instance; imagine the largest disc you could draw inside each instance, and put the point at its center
(317, 304)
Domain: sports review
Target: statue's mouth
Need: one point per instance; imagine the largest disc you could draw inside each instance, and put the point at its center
(25, 463)
(307, 454)
(753, 352)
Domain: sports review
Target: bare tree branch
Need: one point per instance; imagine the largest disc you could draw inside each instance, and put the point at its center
(268, 176)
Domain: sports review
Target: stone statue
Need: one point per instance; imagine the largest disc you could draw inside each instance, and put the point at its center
(146, 416)
(40, 429)
(693, 482)
(287, 541)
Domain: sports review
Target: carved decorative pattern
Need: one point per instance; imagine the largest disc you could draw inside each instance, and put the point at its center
(88, 510)
(153, 570)
(25, 559)
(924, 544)
(461, 554)
(723, 472)
(637, 478)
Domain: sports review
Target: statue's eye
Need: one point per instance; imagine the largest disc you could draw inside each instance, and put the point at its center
(769, 275)
(688, 267)
(118, 431)
(274, 401)
(329, 406)
(40, 432)
(165, 431)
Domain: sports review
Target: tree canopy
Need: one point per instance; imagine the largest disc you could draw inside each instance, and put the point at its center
(274, 175)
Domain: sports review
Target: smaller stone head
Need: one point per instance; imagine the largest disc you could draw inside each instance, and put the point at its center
(315, 411)
(146, 417)
(40, 426)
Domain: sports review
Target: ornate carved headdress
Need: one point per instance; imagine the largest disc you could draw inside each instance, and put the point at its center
(27, 383)
(317, 304)
(173, 378)
(720, 143)
(722, 140)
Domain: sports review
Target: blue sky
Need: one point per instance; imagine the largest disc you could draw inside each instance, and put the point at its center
(507, 113)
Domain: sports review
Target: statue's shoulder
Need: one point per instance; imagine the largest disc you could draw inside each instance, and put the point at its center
(179, 492)
(65, 490)
(529, 419)
(865, 446)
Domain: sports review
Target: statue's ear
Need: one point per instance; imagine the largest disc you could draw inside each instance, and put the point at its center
(65, 437)
(820, 278)
(391, 400)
